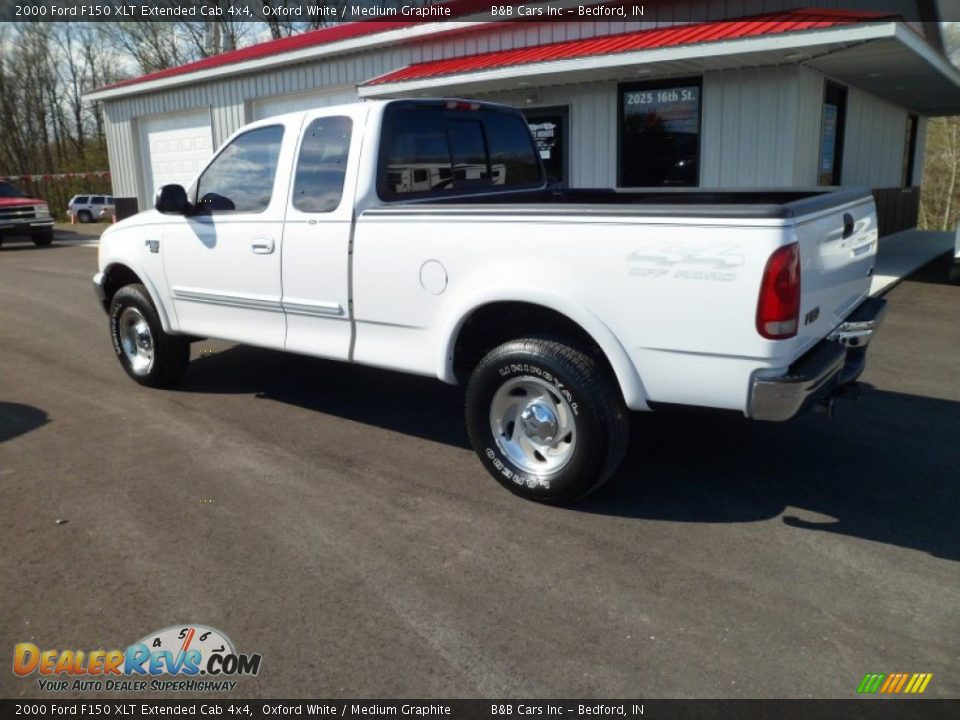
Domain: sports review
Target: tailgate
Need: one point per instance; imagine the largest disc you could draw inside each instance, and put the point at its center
(837, 252)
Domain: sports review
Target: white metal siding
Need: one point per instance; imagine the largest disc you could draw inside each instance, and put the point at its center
(748, 127)
(873, 141)
(301, 101)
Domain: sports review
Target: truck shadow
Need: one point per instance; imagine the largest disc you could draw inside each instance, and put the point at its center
(17, 419)
(412, 405)
(883, 469)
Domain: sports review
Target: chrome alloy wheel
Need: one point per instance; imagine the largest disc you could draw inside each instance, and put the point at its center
(533, 425)
(136, 340)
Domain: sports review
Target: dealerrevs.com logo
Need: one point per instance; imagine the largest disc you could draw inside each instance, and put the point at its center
(200, 658)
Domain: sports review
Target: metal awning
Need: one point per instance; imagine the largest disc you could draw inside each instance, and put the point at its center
(885, 57)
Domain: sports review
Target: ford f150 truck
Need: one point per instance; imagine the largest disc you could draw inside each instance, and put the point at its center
(421, 236)
(21, 215)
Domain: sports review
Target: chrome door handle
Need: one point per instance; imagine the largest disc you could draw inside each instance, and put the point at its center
(262, 246)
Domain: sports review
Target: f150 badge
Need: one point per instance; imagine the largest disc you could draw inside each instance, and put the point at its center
(154, 245)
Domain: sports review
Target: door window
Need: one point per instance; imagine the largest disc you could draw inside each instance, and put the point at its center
(241, 177)
(322, 165)
(660, 134)
(549, 129)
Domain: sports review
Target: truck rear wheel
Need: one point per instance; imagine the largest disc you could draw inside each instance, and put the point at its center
(547, 420)
(148, 355)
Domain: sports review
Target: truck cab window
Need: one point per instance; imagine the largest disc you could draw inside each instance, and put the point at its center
(240, 179)
(322, 165)
(436, 150)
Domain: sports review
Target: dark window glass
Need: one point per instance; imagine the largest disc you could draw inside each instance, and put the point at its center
(240, 179)
(434, 150)
(110, 201)
(96, 200)
(322, 165)
(468, 151)
(82, 200)
(832, 122)
(909, 150)
(514, 160)
(660, 135)
(9, 191)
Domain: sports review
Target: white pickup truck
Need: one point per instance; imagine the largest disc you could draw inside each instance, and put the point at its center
(421, 236)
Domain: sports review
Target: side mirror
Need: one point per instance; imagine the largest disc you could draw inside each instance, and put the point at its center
(172, 199)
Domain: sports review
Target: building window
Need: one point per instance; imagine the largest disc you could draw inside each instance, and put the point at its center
(322, 165)
(240, 178)
(909, 150)
(659, 134)
(832, 124)
(549, 129)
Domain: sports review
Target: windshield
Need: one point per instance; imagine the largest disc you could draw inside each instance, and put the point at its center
(9, 191)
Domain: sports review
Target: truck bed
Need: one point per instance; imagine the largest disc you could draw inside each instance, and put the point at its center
(690, 202)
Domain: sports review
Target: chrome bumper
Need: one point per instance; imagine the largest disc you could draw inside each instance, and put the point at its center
(832, 364)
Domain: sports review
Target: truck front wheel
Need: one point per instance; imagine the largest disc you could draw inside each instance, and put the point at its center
(148, 354)
(42, 238)
(547, 420)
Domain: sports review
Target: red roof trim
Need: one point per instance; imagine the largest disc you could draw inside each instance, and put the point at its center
(758, 25)
(313, 38)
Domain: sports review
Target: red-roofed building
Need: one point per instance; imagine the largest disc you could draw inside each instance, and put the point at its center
(722, 93)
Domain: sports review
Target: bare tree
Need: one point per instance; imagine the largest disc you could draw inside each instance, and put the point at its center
(939, 201)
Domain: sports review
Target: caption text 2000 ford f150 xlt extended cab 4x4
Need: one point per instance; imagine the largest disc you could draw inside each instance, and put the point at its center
(421, 236)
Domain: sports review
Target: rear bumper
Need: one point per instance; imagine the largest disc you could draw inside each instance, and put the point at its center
(838, 360)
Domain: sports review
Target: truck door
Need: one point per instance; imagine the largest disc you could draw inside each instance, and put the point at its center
(222, 263)
(316, 236)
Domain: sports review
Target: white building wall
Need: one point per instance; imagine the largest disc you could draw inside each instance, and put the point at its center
(809, 117)
(737, 106)
(749, 121)
(873, 142)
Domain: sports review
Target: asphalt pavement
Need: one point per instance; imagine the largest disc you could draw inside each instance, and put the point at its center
(334, 519)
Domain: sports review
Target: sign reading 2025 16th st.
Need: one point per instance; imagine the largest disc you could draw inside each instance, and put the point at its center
(181, 658)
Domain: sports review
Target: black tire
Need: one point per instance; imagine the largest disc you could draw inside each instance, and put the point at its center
(43, 239)
(169, 355)
(85, 216)
(594, 409)
(954, 276)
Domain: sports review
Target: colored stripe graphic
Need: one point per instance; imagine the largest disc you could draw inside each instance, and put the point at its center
(894, 683)
(918, 683)
(871, 682)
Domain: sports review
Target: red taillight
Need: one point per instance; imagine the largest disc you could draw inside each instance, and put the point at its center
(778, 312)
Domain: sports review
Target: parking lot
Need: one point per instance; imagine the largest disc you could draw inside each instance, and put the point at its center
(335, 520)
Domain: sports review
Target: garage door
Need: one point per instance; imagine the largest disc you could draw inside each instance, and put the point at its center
(175, 148)
(269, 107)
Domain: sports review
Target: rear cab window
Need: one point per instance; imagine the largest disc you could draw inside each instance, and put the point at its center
(453, 148)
